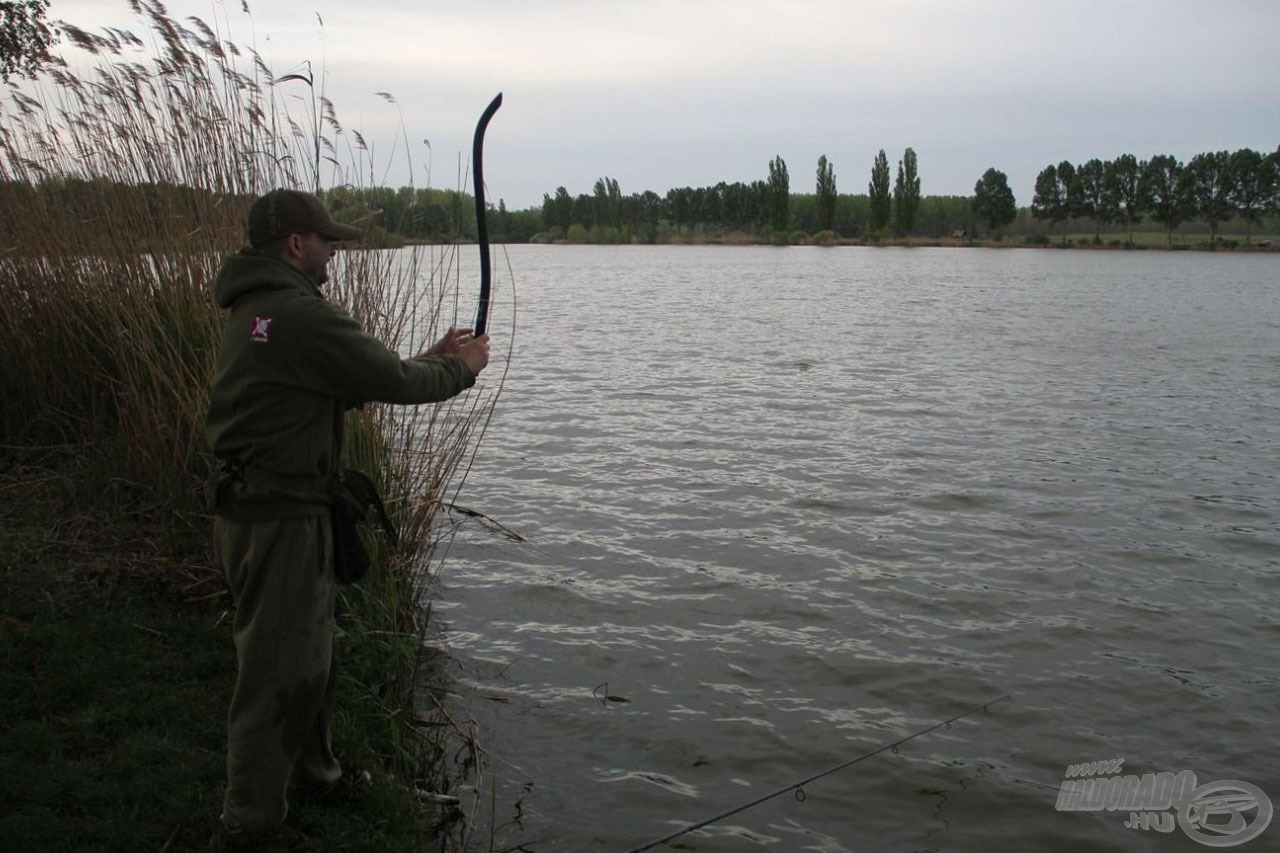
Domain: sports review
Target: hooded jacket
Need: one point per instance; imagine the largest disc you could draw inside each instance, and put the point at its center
(290, 363)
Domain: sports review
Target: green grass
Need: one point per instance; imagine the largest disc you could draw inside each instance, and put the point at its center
(1158, 240)
(113, 703)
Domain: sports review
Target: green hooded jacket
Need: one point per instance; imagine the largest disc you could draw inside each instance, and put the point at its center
(291, 362)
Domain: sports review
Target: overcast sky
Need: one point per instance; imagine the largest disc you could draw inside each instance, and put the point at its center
(664, 94)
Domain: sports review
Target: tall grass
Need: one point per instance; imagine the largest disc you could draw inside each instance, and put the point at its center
(123, 184)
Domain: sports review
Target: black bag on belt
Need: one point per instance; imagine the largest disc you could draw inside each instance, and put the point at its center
(355, 497)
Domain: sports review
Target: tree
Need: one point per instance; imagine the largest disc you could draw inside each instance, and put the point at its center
(779, 197)
(557, 212)
(25, 37)
(1207, 186)
(1271, 179)
(583, 210)
(878, 189)
(607, 202)
(1095, 202)
(826, 192)
(1050, 200)
(993, 201)
(1124, 186)
(1249, 190)
(504, 221)
(1072, 189)
(1165, 191)
(906, 193)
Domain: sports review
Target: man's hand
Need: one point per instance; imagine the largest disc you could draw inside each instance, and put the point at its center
(451, 343)
(475, 352)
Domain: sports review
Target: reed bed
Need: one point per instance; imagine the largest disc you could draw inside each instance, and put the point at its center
(123, 183)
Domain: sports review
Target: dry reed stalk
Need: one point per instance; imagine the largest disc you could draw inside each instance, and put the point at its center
(121, 188)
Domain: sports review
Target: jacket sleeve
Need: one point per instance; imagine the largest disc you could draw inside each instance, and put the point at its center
(333, 356)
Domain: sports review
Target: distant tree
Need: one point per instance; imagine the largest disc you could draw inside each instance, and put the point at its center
(826, 193)
(1207, 186)
(607, 202)
(503, 222)
(583, 210)
(25, 37)
(1165, 191)
(1049, 203)
(1271, 179)
(1124, 186)
(711, 204)
(1249, 190)
(1072, 189)
(756, 198)
(940, 216)
(524, 225)
(906, 193)
(548, 212)
(779, 198)
(1095, 202)
(644, 212)
(678, 205)
(557, 212)
(878, 190)
(993, 201)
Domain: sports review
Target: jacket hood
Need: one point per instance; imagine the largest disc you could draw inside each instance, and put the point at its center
(249, 270)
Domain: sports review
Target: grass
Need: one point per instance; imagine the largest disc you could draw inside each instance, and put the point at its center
(1181, 240)
(114, 695)
(122, 185)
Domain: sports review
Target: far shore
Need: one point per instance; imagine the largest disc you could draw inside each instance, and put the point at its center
(1085, 244)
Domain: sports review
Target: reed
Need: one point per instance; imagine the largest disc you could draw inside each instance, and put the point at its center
(123, 183)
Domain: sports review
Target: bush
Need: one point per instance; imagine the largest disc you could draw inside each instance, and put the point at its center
(604, 235)
(1036, 239)
(826, 238)
(554, 234)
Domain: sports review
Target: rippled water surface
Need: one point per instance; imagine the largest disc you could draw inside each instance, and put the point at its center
(793, 504)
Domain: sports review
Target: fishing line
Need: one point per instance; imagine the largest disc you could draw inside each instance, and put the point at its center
(798, 787)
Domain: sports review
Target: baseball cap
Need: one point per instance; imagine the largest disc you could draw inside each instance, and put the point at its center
(280, 213)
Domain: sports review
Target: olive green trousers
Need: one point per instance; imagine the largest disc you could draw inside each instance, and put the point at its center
(279, 726)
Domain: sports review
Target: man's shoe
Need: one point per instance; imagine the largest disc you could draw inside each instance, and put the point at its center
(348, 788)
(282, 840)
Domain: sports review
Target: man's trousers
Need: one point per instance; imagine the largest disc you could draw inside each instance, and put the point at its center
(279, 725)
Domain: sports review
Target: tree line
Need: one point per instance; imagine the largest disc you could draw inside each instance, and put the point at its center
(1242, 187)
(1212, 187)
(765, 207)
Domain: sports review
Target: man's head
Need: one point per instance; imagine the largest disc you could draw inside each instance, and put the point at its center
(295, 227)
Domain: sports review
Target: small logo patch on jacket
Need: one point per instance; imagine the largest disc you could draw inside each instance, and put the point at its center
(261, 329)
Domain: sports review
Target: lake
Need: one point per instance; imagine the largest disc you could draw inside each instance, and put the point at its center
(794, 504)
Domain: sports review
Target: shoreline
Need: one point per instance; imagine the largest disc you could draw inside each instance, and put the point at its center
(1266, 247)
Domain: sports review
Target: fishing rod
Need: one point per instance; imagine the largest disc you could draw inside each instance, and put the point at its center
(798, 787)
(482, 227)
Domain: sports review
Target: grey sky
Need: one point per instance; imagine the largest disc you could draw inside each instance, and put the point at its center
(664, 94)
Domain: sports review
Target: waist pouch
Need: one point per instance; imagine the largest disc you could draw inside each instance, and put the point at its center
(355, 499)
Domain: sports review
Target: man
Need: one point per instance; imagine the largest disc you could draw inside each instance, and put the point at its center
(291, 362)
